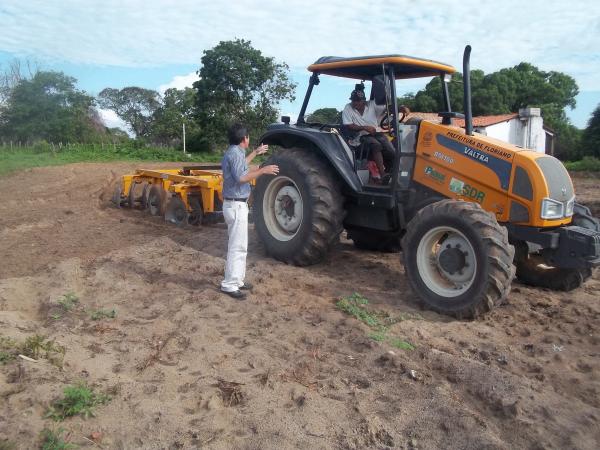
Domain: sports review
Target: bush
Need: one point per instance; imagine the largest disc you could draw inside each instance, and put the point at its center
(587, 164)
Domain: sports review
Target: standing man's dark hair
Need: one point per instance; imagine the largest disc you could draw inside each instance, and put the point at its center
(236, 133)
(237, 175)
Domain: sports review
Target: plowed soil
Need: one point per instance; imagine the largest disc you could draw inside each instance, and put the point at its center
(187, 367)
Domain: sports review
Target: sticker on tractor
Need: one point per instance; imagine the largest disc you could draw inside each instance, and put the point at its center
(432, 173)
(466, 190)
(444, 157)
(427, 139)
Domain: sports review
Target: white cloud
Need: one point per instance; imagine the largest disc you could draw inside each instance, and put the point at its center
(179, 82)
(553, 35)
(111, 120)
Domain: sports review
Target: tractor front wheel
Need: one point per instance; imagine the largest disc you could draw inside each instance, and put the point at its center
(457, 258)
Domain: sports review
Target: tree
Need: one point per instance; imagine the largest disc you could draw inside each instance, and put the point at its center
(134, 105)
(177, 108)
(325, 115)
(590, 141)
(48, 106)
(238, 83)
(507, 91)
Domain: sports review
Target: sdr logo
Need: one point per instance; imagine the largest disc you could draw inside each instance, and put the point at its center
(466, 190)
(437, 176)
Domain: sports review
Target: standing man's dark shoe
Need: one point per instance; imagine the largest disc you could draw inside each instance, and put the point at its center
(238, 295)
(246, 286)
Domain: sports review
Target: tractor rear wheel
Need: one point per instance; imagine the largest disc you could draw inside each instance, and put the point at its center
(457, 258)
(298, 213)
(532, 269)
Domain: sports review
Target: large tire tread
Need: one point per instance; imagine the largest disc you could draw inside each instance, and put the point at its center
(498, 250)
(327, 206)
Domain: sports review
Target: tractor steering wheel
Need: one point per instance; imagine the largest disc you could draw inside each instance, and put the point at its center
(385, 120)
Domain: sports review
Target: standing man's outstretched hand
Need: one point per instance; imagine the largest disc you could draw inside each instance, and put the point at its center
(271, 169)
(264, 148)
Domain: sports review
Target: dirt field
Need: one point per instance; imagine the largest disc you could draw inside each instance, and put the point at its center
(526, 376)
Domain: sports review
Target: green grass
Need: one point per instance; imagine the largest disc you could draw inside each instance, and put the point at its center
(9, 349)
(379, 336)
(78, 399)
(43, 154)
(587, 164)
(53, 440)
(36, 347)
(401, 344)
(357, 306)
(6, 357)
(68, 301)
(7, 445)
(103, 314)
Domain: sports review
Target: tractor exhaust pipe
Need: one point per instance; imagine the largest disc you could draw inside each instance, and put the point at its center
(467, 90)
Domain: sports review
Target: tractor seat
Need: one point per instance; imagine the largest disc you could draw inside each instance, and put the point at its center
(361, 151)
(361, 154)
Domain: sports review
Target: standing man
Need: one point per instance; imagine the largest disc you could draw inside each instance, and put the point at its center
(236, 190)
(363, 116)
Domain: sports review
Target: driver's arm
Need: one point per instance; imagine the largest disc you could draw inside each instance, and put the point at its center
(354, 127)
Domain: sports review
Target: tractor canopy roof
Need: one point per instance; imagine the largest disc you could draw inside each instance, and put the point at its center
(366, 67)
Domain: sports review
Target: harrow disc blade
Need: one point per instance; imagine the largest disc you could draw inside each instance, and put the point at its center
(156, 200)
(176, 212)
(117, 197)
(135, 196)
(196, 216)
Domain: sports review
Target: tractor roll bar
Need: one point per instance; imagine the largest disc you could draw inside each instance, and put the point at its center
(314, 80)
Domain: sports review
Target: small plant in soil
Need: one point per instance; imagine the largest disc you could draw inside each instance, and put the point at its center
(7, 445)
(401, 344)
(378, 336)
(78, 399)
(37, 346)
(53, 440)
(8, 350)
(356, 306)
(68, 301)
(103, 314)
(379, 321)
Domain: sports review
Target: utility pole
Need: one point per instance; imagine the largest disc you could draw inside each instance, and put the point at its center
(184, 138)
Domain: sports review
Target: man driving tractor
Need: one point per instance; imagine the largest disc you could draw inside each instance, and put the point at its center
(363, 116)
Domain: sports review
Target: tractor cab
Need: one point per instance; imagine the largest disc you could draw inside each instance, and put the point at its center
(378, 72)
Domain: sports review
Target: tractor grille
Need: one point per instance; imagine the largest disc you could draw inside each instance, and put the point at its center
(557, 178)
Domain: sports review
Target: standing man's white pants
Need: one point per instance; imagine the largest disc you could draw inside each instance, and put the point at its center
(236, 218)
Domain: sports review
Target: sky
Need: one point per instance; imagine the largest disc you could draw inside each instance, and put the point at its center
(159, 44)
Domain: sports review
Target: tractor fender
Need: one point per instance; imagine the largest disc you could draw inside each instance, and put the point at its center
(329, 144)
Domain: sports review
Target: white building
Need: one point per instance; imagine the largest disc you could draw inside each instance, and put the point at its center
(524, 129)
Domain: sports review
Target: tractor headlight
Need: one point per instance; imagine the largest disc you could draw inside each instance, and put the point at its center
(551, 209)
